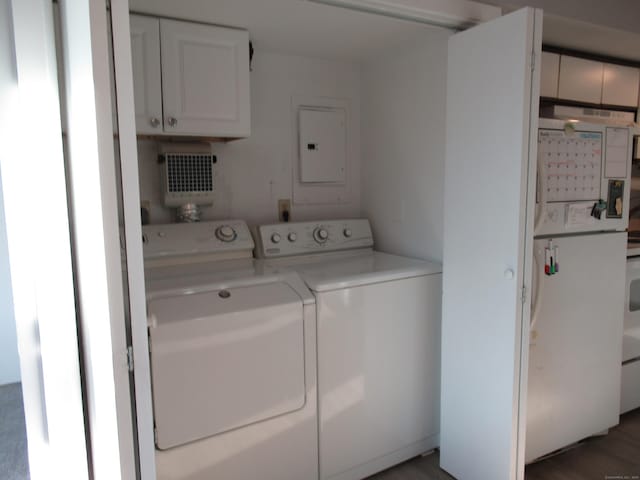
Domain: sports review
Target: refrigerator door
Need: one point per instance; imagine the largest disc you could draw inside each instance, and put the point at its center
(576, 341)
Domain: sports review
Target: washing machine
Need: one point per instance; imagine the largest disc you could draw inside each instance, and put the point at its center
(233, 358)
(630, 397)
(378, 321)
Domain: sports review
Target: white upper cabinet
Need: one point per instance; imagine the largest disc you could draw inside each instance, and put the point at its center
(590, 81)
(205, 79)
(550, 72)
(190, 79)
(147, 82)
(580, 79)
(620, 86)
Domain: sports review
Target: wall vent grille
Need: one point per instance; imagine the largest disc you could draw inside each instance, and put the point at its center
(188, 178)
(189, 173)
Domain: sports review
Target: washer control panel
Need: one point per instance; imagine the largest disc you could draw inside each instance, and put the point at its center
(300, 238)
(199, 238)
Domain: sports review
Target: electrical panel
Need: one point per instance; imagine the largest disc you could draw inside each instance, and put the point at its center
(322, 142)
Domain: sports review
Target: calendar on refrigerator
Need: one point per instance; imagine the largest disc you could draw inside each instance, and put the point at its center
(572, 164)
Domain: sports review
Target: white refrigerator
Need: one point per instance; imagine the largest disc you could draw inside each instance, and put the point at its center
(578, 283)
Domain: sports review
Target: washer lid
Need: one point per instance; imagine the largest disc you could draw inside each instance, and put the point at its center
(358, 270)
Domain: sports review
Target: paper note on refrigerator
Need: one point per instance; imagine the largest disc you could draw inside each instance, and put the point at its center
(616, 151)
(579, 215)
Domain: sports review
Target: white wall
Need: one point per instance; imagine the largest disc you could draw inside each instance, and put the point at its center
(9, 363)
(403, 133)
(252, 174)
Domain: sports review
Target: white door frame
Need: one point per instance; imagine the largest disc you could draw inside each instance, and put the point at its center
(45, 259)
(33, 176)
(96, 236)
(133, 233)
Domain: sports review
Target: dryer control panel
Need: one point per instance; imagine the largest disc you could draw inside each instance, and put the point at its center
(300, 238)
(228, 237)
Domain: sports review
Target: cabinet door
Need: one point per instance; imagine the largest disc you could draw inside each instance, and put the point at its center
(620, 86)
(549, 75)
(580, 80)
(147, 87)
(205, 79)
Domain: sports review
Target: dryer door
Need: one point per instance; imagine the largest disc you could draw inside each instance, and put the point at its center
(224, 359)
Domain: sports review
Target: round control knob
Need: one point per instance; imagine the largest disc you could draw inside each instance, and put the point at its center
(347, 232)
(292, 237)
(225, 233)
(320, 235)
(275, 238)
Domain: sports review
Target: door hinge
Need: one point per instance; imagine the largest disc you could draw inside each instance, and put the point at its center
(130, 357)
(523, 296)
(533, 60)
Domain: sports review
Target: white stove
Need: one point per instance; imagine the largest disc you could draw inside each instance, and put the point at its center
(233, 354)
(630, 394)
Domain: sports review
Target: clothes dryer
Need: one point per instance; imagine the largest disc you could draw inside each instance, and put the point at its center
(233, 358)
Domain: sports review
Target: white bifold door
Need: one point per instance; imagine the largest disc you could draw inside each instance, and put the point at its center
(492, 109)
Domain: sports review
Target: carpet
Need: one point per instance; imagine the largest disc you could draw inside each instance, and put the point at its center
(14, 464)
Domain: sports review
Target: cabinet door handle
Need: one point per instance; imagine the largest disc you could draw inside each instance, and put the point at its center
(155, 123)
(173, 121)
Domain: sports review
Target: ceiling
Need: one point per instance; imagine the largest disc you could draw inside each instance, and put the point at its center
(609, 28)
(614, 14)
(587, 37)
(294, 26)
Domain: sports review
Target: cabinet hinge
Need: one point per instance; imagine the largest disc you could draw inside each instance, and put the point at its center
(523, 296)
(130, 358)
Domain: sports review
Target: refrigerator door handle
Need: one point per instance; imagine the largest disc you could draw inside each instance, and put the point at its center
(541, 184)
(536, 294)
